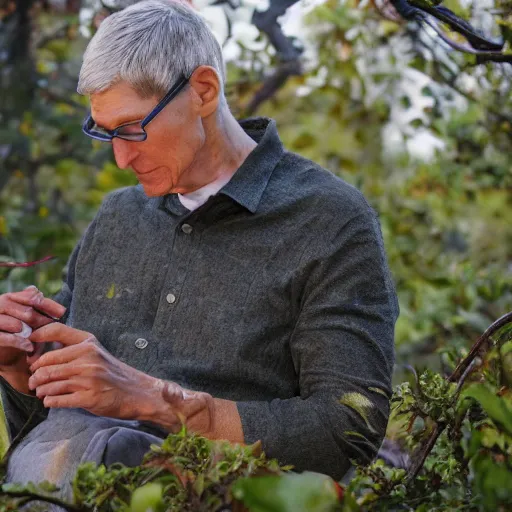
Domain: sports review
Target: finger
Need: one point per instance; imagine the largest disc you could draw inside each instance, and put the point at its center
(31, 296)
(78, 399)
(61, 387)
(10, 324)
(61, 333)
(8, 340)
(60, 356)
(23, 312)
(40, 302)
(36, 354)
(53, 373)
(173, 394)
(48, 306)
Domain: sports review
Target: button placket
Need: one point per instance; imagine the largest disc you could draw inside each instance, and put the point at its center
(181, 254)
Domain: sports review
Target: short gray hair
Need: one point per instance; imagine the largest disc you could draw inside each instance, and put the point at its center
(149, 45)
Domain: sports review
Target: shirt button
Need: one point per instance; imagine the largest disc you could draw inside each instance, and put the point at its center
(141, 343)
(187, 229)
(171, 299)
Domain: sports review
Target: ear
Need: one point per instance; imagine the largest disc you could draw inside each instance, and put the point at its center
(207, 87)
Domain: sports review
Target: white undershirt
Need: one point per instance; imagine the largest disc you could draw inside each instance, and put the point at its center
(197, 198)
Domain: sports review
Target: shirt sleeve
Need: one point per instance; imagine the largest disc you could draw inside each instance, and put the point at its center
(343, 352)
(65, 295)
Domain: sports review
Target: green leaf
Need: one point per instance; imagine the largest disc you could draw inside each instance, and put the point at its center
(496, 407)
(307, 492)
(148, 498)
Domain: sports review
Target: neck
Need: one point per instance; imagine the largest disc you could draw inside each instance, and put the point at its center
(225, 148)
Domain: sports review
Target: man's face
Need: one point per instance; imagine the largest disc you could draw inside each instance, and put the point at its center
(174, 137)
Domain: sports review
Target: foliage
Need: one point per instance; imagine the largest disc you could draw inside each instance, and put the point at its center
(459, 435)
(424, 131)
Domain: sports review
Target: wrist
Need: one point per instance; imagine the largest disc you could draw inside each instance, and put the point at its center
(171, 406)
(227, 424)
(147, 403)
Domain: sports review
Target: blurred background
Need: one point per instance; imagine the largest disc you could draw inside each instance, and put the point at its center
(421, 127)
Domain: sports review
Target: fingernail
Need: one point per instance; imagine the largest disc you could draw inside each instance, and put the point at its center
(31, 287)
(37, 299)
(28, 348)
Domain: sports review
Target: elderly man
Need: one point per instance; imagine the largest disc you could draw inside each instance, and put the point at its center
(239, 289)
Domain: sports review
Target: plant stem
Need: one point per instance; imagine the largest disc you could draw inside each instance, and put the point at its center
(422, 453)
(493, 328)
(32, 496)
(459, 375)
(11, 264)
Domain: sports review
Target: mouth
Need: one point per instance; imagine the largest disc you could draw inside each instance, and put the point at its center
(140, 173)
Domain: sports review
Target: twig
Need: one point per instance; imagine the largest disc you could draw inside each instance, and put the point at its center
(423, 452)
(459, 375)
(467, 371)
(493, 328)
(32, 496)
(490, 54)
(10, 264)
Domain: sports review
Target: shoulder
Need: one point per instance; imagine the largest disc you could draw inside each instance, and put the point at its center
(318, 188)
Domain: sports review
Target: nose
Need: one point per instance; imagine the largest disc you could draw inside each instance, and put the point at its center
(124, 152)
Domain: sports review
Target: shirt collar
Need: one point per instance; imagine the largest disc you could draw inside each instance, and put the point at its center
(249, 182)
(247, 185)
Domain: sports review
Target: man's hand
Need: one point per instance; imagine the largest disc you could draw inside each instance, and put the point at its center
(84, 375)
(18, 307)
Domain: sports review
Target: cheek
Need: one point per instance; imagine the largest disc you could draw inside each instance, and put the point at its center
(181, 149)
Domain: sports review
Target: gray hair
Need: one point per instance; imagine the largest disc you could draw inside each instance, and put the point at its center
(149, 45)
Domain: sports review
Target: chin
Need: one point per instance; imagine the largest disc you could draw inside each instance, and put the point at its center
(155, 191)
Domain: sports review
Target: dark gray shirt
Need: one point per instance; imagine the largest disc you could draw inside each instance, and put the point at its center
(275, 294)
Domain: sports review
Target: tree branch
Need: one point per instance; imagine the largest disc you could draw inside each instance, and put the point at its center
(26, 264)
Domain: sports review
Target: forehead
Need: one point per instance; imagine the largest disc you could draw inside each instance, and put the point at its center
(118, 105)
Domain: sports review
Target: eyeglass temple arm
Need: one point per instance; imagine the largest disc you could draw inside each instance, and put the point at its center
(163, 102)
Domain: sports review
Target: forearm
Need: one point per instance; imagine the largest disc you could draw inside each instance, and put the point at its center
(319, 433)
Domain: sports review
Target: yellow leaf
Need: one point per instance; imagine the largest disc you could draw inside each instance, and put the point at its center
(5, 439)
(111, 291)
(360, 404)
(3, 226)
(25, 128)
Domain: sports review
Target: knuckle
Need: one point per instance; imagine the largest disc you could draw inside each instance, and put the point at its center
(29, 314)
(42, 375)
(96, 371)
(6, 340)
(91, 344)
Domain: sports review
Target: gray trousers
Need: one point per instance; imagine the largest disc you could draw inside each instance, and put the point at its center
(53, 450)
